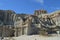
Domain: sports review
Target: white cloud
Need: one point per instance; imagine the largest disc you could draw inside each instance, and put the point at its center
(58, 8)
(40, 1)
(55, 8)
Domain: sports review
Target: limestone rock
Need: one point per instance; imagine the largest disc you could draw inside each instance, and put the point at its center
(24, 24)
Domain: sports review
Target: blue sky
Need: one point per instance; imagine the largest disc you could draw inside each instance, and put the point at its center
(28, 6)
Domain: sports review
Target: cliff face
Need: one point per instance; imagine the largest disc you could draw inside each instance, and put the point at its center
(23, 24)
(7, 17)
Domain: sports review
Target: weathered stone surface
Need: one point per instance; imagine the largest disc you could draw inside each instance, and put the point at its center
(39, 12)
(24, 24)
(7, 17)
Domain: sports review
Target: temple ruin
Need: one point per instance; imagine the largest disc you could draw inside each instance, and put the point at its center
(42, 22)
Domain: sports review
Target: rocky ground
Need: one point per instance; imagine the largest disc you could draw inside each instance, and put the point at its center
(34, 37)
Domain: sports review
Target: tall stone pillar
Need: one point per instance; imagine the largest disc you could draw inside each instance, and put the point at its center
(16, 32)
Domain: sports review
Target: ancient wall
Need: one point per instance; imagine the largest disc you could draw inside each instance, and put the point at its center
(39, 12)
(24, 24)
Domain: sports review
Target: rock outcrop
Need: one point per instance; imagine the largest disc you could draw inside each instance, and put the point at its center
(23, 24)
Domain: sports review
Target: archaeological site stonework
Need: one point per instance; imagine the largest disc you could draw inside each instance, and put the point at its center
(40, 23)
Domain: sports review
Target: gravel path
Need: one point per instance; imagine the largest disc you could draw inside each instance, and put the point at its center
(34, 37)
(37, 37)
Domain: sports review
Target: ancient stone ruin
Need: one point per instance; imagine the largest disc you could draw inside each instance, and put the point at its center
(41, 23)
